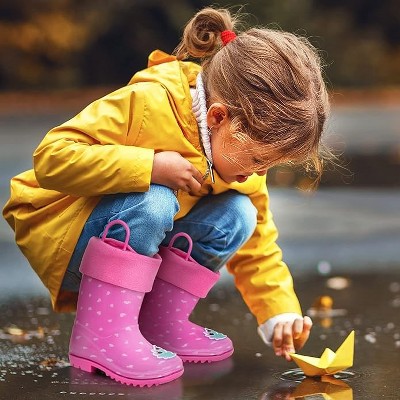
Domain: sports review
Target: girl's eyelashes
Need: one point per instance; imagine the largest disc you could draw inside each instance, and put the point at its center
(258, 161)
(261, 164)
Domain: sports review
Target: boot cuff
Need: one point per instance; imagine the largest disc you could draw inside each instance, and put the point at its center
(108, 261)
(184, 272)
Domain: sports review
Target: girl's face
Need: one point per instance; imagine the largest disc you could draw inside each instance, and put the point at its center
(233, 159)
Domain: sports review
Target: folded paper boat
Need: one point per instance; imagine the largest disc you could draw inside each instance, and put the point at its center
(330, 362)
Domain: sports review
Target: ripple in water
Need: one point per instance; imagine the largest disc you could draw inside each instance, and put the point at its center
(298, 375)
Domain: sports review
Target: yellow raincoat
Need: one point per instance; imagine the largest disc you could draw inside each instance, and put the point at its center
(109, 148)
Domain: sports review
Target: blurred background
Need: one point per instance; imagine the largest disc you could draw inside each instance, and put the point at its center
(61, 54)
(59, 44)
(341, 242)
(56, 56)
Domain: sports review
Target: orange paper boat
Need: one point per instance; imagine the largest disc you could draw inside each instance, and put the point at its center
(330, 362)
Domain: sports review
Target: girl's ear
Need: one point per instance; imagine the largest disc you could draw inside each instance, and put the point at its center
(217, 115)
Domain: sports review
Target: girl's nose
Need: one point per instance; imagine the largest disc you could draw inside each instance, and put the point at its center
(261, 173)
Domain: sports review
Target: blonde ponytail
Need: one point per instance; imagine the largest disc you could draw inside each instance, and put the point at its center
(202, 35)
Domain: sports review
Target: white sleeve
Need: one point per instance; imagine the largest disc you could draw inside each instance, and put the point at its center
(266, 329)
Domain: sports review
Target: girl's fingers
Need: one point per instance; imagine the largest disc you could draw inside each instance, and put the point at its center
(197, 175)
(195, 185)
(291, 336)
(307, 323)
(195, 181)
(298, 328)
(277, 339)
(283, 340)
(288, 345)
(305, 334)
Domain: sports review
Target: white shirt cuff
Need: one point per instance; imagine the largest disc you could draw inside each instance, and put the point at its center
(266, 329)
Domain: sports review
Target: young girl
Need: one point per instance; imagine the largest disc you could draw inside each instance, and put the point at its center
(181, 148)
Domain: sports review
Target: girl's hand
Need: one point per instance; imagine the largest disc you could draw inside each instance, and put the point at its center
(172, 170)
(289, 337)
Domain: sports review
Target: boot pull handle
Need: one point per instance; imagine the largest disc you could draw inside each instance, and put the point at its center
(189, 239)
(118, 222)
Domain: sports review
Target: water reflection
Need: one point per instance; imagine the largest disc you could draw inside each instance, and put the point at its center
(83, 383)
(325, 387)
(297, 375)
(86, 384)
(207, 373)
(34, 347)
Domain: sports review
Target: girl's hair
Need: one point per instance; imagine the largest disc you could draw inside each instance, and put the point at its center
(269, 80)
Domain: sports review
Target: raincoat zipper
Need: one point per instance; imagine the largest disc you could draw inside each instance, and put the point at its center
(209, 171)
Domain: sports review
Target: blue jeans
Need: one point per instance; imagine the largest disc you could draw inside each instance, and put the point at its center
(218, 225)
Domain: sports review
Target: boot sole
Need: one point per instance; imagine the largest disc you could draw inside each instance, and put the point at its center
(206, 359)
(90, 366)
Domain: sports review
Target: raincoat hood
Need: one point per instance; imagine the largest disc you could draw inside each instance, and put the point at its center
(172, 74)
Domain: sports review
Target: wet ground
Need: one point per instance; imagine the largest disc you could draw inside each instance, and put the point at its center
(34, 344)
(342, 242)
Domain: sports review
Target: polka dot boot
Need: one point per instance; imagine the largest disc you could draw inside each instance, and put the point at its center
(164, 317)
(105, 335)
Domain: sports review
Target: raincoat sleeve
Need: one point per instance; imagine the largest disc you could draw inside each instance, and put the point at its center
(260, 274)
(93, 154)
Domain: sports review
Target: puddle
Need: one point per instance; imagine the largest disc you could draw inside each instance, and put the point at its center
(297, 375)
(311, 389)
(298, 386)
(34, 349)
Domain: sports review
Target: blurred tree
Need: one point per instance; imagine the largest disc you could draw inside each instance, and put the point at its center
(39, 45)
(123, 47)
(383, 16)
(71, 43)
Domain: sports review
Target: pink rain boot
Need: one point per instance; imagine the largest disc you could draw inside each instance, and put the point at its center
(164, 318)
(105, 335)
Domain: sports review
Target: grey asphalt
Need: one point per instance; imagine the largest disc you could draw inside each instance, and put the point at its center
(339, 228)
(348, 231)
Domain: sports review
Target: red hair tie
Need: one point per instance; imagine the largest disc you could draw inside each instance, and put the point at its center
(227, 36)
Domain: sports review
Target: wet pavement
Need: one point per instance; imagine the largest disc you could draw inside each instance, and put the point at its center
(34, 345)
(341, 242)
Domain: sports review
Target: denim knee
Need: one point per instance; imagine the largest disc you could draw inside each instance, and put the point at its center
(241, 218)
(158, 208)
(219, 225)
(149, 216)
